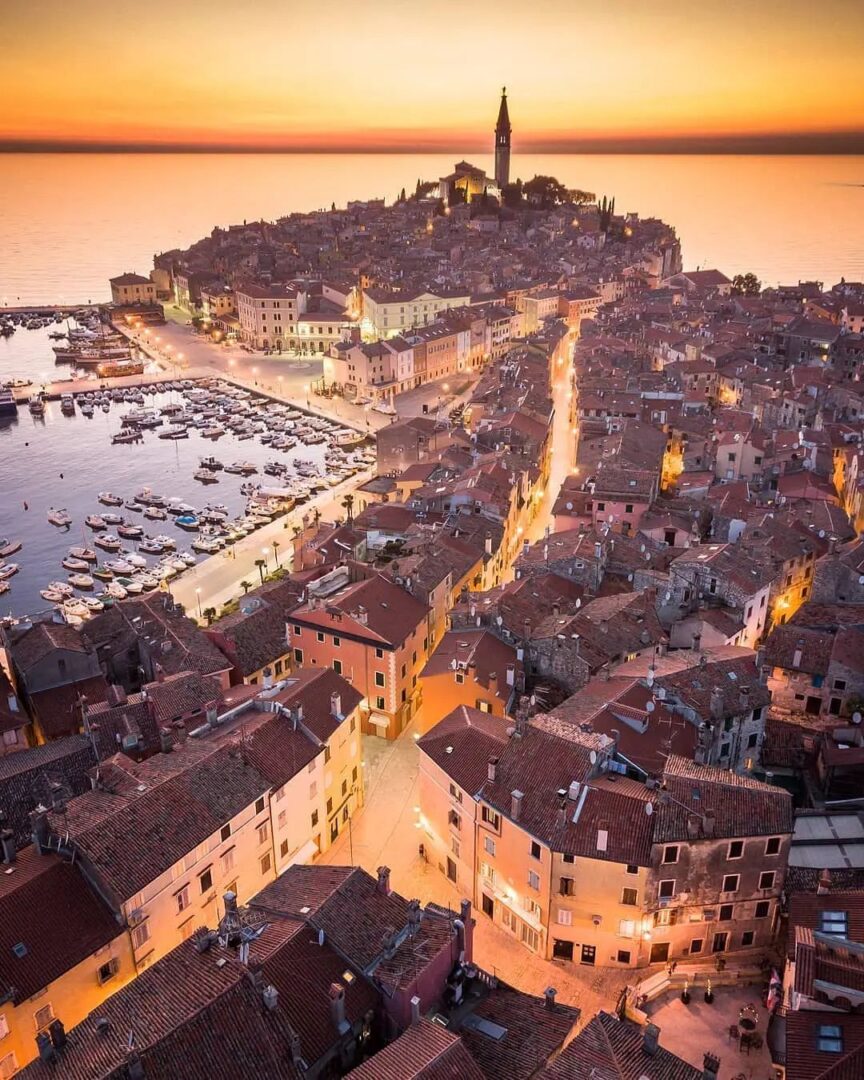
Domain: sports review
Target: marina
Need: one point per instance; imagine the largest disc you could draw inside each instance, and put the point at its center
(119, 508)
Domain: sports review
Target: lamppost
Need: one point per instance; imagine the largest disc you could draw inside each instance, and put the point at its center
(306, 390)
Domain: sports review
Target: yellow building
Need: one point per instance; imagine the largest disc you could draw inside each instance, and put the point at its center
(64, 952)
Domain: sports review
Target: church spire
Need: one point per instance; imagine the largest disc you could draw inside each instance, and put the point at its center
(502, 143)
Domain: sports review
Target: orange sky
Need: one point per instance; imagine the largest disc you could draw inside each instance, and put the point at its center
(405, 75)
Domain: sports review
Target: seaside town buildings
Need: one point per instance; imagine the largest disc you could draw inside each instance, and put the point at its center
(615, 594)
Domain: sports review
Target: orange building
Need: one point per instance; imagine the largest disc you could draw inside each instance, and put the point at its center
(472, 668)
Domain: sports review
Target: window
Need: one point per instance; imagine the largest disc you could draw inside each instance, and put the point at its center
(337, 666)
(534, 881)
(140, 934)
(568, 858)
(623, 956)
(491, 817)
(379, 703)
(626, 927)
(483, 706)
(205, 880)
(228, 861)
(829, 1038)
(265, 863)
(725, 912)
(632, 869)
(696, 945)
(319, 636)
(107, 971)
(329, 806)
(763, 909)
(379, 678)
(296, 630)
(4, 1026)
(752, 740)
(628, 508)
(772, 845)
(535, 850)
(747, 938)
(326, 755)
(766, 879)
(666, 889)
(530, 937)
(379, 654)
(43, 1017)
(182, 897)
(337, 642)
(263, 833)
(283, 848)
(834, 922)
(487, 872)
(313, 789)
(225, 832)
(277, 667)
(259, 805)
(344, 787)
(565, 917)
(488, 845)
(314, 818)
(670, 853)
(298, 656)
(629, 897)
(736, 849)
(730, 882)
(8, 1066)
(456, 794)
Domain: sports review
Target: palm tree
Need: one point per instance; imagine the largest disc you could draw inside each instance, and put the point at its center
(276, 552)
(209, 615)
(245, 586)
(261, 563)
(348, 503)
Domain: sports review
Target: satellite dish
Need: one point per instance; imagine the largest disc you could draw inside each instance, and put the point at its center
(649, 707)
(821, 534)
(856, 717)
(649, 808)
(861, 579)
(569, 505)
(592, 757)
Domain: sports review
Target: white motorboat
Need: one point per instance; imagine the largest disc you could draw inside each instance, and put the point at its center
(8, 569)
(81, 581)
(109, 499)
(9, 547)
(86, 554)
(108, 542)
(59, 518)
(116, 591)
(71, 563)
(94, 521)
(120, 566)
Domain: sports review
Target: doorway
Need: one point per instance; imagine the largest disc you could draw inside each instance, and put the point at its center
(562, 950)
(659, 952)
(488, 905)
(589, 952)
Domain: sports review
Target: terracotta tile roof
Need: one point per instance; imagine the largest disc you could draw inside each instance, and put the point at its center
(804, 1059)
(534, 1032)
(130, 835)
(313, 689)
(36, 641)
(480, 648)
(188, 1018)
(741, 805)
(185, 694)
(255, 635)
(58, 710)
(806, 908)
(814, 648)
(611, 1049)
(279, 750)
(50, 915)
(425, 1051)
(301, 887)
(462, 743)
(391, 614)
(694, 686)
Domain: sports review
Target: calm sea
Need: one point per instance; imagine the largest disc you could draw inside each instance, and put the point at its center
(69, 222)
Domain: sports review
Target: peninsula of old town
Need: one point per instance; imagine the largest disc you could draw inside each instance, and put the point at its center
(512, 729)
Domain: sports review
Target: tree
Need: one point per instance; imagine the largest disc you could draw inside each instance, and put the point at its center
(245, 586)
(209, 615)
(402, 196)
(261, 563)
(511, 195)
(348, 503)
(545, 191)
(746, 285)
(276, 551)
(606, 211)
(581, 198)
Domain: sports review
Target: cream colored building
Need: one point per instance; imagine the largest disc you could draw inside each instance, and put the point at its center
(387, 313)
(267, 315)
(132, 289)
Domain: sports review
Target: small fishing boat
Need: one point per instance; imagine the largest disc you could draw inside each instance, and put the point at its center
(135, 507)
(108, 542)
(81, 581)
(189, 522)
(8, 569)
(151, 547)
(131, 585)
(174, 432)
(206, 544)
(205, 476)
(59, 518)
(61, 587)
(69, 563)
(167, 542)
(116, 591)
(102, 574)
(95, 522)
(9, 547)
(53, 596)
(36, 405)
(155, 513)
(212, 463)
(129, 532)
(138, 561)
(107, 498)
(67, 404)
(120, 566)
(112, 519)
(126, 437)
(85, 553)
(94, 604)
(76, 608)
(188, 557)
(148, 581)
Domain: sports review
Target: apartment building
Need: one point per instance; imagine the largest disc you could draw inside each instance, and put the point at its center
(388, 313)
(268, 315)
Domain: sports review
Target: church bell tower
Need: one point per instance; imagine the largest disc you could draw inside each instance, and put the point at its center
(502, 144)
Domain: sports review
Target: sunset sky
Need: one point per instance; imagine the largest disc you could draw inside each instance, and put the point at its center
(400, 74)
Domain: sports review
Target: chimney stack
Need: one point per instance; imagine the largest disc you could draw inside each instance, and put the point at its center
(822, 889)
(710, 1066)
(415, 1010)
(650, 1039)
(165, 743)
(384, 880)
(39, 829)
(337, 1008)
(491, 769)
(7, 840)
(549, 996)
(515, 804)
(267, 682)
(716, 704)
(708, 823)
(336, 705)
(511, 674)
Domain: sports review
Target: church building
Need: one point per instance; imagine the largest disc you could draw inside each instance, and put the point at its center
(473, 181)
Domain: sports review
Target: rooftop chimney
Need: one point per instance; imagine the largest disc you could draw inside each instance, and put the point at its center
(7, 840)
(337, 1008)
(710, 1066)
(708, 823)
(515, 804)
(166, 744)
(823, 887)
(384, 880)
(270, 997)
(716, 703)
(511, 674)
(415, 1010)
(549, 996)
(488, 543)
(267, 682)
(45, 1047)
(39, 829)
(336, 705)
(492, 768)
(650, 1039)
